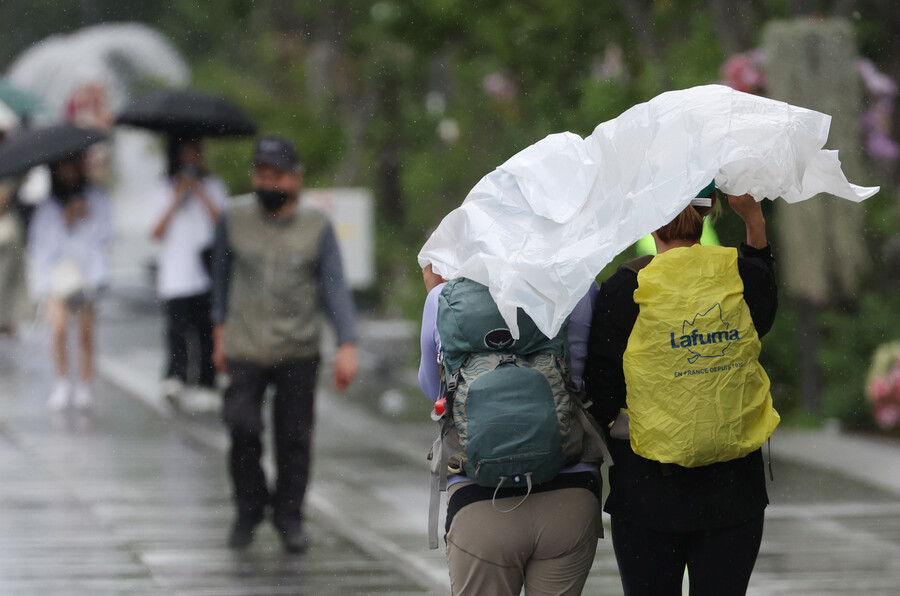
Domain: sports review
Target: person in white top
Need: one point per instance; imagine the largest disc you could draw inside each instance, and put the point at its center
(67, 247)
(184, 209)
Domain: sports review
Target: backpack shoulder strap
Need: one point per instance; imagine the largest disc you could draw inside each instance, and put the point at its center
(440, 454)
(438, 484)
(635, 265)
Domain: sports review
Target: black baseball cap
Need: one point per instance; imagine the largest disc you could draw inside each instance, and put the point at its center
(277, 151)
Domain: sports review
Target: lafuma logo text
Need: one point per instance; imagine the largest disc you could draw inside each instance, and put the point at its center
(707, 335)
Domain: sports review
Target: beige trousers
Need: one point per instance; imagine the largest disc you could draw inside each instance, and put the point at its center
(547, 545)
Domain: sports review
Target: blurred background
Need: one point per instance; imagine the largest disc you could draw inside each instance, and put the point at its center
(416, 101)
(398, 108)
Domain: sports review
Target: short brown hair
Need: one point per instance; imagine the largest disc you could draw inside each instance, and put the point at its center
(687, 225)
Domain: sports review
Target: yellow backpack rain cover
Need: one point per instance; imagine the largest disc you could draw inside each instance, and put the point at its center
(696, 393)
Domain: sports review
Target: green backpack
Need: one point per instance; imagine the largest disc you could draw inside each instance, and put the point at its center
(511, 400)
(512, 416)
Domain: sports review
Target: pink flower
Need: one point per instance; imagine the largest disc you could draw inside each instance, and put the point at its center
(887, 416)
(878, 389)
(744, 72)
(876, 82)
(500, 87)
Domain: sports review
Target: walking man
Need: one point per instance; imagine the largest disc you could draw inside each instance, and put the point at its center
(275, 266)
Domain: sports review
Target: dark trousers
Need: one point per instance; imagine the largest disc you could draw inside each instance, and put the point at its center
(186, 318)
(719, 561)
(292, 417)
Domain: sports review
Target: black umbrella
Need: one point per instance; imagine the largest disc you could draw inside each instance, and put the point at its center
(187, 113)
(28, 148)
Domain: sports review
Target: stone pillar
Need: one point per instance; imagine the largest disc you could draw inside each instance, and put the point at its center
(821, 248)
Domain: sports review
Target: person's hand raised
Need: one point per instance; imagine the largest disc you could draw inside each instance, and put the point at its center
(749, 210)
(745, 206)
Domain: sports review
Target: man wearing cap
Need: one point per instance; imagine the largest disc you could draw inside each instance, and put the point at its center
(275, 266)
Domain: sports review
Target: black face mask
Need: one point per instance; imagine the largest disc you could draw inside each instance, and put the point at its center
(66, 192)
(271, 200)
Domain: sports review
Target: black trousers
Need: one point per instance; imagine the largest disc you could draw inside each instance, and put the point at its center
(292, 414)
(187, 318)
(719, 561)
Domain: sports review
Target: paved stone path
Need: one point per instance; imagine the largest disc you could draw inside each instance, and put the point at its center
(123, 501)
(133, 499)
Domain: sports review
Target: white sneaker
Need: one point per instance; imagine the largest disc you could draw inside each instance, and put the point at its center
(59, 397)
(223, 380)
(202, 399)
(83, 397)
(172, 389)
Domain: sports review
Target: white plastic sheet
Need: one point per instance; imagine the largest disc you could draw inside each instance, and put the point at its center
(540, 228)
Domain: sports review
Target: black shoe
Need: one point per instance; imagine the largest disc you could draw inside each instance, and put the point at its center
(242, 531)
(292, 537)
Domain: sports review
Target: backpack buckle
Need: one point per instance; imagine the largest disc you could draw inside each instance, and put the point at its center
(452, 383)
(507, 359)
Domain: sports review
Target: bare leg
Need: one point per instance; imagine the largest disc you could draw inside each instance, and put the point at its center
(57, 312)
(58, 315)
(86, 342)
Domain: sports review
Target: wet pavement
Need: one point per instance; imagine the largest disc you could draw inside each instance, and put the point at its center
(124, 502)
(134, 499)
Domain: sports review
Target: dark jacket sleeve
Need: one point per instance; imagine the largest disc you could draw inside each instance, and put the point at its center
(221, 272)
(614, 315)
(757, 270)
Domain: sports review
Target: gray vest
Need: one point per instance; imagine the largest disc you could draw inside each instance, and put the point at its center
(273, 308)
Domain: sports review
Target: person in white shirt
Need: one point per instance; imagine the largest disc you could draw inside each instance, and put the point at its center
(67, 245)
(184, 209)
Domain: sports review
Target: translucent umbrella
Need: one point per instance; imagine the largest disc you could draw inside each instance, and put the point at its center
(116, 56)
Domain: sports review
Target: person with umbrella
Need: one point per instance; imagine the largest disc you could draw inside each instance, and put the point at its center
(183, 210)
(67, 248)
(275, 266)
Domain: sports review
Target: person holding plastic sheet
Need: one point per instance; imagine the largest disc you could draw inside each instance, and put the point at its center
(275, 266)
(672, 366)
(67, 245)
(501, 541)
(184, 209)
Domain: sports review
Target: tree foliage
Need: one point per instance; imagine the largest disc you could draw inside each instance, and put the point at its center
(418, 100)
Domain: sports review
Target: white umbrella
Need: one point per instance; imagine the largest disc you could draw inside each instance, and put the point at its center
(540, 228)
(114, 55)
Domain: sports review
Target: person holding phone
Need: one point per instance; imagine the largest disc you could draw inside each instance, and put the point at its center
(184, 209)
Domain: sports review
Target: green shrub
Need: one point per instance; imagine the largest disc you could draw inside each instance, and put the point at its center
(851, 337)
